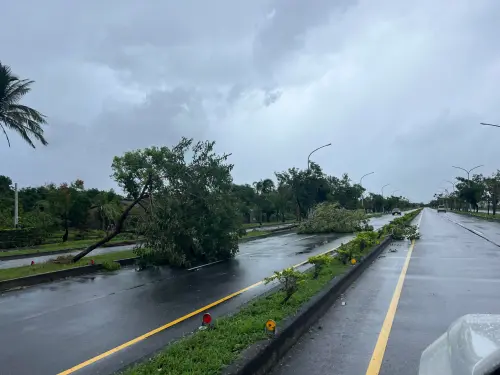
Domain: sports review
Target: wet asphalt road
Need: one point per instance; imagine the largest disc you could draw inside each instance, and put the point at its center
(52, 327)
(452, 272)
(488, 229)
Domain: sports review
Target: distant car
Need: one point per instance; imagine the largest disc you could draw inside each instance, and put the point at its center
(396, 211)
(441, 209)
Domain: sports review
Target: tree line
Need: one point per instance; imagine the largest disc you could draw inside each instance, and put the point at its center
(471, 193)
(181, 200)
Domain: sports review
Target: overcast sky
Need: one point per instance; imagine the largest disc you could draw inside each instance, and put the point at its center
(397, 87)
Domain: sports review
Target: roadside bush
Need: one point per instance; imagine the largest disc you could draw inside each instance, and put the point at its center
(397, 228)
(330, 218)
(110, 265)
(356, 248)
(12, 238)
(412, 233)
(319, 262)
(289, 278)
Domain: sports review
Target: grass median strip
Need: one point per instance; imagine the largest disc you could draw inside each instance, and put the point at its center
(23, 271)
(62, 246)
(209, 351)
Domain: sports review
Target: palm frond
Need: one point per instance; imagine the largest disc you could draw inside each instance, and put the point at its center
(26, 121)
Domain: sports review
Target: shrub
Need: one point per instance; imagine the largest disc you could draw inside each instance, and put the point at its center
(319, 262)
(12, 238)
(412, 233)
(330, 218)
(356, 248)
(289, 278)
(110, 265)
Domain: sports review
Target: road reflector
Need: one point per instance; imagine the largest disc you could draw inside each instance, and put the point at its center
(206, 320)
(271, 327)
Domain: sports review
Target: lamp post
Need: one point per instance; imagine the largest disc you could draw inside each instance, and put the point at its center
(485, 124)
(313, 151)
(468, 171)
(383, 196)
(361, 184)
(468, 174)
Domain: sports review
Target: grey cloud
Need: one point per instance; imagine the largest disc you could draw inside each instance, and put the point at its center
(397, 87)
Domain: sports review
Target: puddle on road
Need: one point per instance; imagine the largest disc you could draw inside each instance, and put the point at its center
(319, 242)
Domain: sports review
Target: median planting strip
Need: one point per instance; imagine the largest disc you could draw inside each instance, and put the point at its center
(37, 268)
(239, 344)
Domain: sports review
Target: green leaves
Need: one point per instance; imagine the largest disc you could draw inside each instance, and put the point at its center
(193, 217)
(289, 278)
(330, 218)
(24, 120)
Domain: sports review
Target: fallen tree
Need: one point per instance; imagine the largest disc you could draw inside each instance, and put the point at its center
(193, 217)
(331, 218)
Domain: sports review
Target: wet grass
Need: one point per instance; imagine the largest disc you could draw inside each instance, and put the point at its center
(256, 233)
(62, 246)
(49, 266)
(209, 351)
(270, 224)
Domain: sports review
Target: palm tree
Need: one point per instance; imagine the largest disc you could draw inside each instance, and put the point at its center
(17, 117)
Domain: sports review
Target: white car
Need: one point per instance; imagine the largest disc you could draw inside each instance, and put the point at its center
(441, 208)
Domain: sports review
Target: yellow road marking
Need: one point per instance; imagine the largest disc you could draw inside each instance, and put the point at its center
(379, 351)
(157, 330)
(168, 325)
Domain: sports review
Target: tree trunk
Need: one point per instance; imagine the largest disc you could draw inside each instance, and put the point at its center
(117, 230)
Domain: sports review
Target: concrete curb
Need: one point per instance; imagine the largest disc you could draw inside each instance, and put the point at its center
(47, 277)
(43, 253)
(275, 232)
(472, 231)
(260, 358)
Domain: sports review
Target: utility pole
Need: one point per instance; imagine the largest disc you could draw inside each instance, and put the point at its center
(16, 206)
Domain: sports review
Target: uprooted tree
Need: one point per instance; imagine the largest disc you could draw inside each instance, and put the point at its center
(138, 173)
(193, 214)
(331, 218)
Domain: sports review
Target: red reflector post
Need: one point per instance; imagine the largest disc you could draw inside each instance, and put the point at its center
(207, 319)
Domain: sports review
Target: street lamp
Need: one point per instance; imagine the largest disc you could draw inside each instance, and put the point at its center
(468, 171)
(313, 151)
(485, 124)
(394, 192)
(361, 184)
(454, 189)
(383, 196)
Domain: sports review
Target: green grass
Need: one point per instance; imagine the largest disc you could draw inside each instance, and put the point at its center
(69, 245)
(270, 224)
(256, 233)
(13, 273)
(209, 351)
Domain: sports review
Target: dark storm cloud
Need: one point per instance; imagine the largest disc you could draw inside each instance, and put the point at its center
(397, 87)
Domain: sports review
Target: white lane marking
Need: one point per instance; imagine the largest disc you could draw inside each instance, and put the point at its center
(300, 239)
(204, 265)
(420, 220)
(478, 232)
